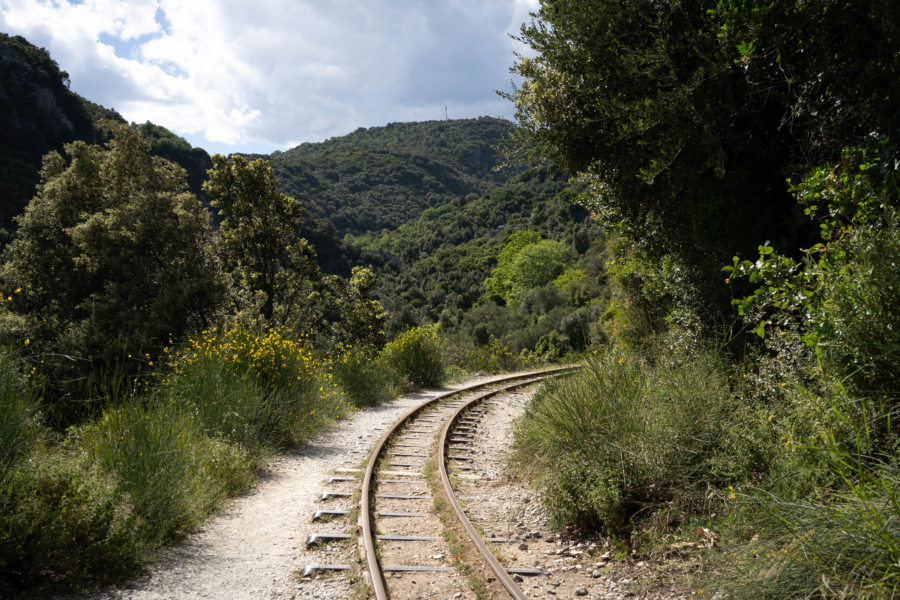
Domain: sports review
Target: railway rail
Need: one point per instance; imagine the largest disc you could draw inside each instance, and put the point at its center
(395, 509)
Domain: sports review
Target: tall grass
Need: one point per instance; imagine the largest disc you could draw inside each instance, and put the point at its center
(155, 453)
(825, 523)
(94, 508)
(624, 437)
(19, 428)
(842, 542)
(63, 520)
(227, 405)
(493, 357)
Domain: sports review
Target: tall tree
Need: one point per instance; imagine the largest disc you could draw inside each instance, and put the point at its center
(687, 115)
(112, 256)
(261, 231)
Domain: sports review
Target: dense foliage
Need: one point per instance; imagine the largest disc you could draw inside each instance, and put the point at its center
(260, 230)
(38, 113)
(435, 267)
(113, 257)
(685, 119)
(382, 177)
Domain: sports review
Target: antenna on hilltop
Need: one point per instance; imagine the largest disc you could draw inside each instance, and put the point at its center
(446, 118)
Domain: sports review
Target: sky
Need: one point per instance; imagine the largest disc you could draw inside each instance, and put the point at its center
(265, 75)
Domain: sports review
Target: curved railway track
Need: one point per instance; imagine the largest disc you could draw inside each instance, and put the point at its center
(399, 531)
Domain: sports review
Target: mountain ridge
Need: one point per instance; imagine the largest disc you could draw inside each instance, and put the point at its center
(381, 177)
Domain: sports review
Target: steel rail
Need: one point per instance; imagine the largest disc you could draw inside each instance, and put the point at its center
(376, 575)
(495, 566)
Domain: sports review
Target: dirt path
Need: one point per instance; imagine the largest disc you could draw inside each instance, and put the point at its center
(254, 547)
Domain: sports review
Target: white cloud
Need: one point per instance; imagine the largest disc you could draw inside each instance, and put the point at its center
(255, 76)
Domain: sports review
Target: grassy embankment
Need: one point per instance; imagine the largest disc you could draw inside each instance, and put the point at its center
(91, 505)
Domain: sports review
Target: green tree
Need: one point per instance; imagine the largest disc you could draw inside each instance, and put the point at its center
(365, 317)
(113, 255)
(538, 264)
(685, 116)
(260, 231)
(526, 262)
(342, 310)
(499, 284)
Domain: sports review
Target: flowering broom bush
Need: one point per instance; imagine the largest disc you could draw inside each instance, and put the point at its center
(363, 376)
(257, 387)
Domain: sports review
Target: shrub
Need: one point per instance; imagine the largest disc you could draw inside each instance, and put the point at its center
(859, 335)
(225, 404)
(414, 357)
(844, 297)
(584, 423)
(623, 435)
(492, 357)
(157, 455)
(19, 428)
(65, 523)
(840, 541)
(258, 388)
(583, 493)
(227, 467)
(363, 377)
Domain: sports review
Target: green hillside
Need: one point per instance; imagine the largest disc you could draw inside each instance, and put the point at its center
(428, 205)
(440, 260)
(434, 268)
(382, 177)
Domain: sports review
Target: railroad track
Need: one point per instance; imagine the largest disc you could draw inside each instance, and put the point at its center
(400, 532)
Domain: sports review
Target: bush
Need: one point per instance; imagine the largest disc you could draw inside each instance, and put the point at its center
(844, 297)
(229, 468)
(491, 357)
(825, 521)
(841, 541)
(623, 435)
(861, 309)
(414, 357)
(157, 455)
(65, 524)
(257, 388)
(363, 377)
(225, 404)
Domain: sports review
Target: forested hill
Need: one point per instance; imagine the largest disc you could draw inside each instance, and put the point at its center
(38, 113)
(371, 181)
(437, 264)
(382, 177)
